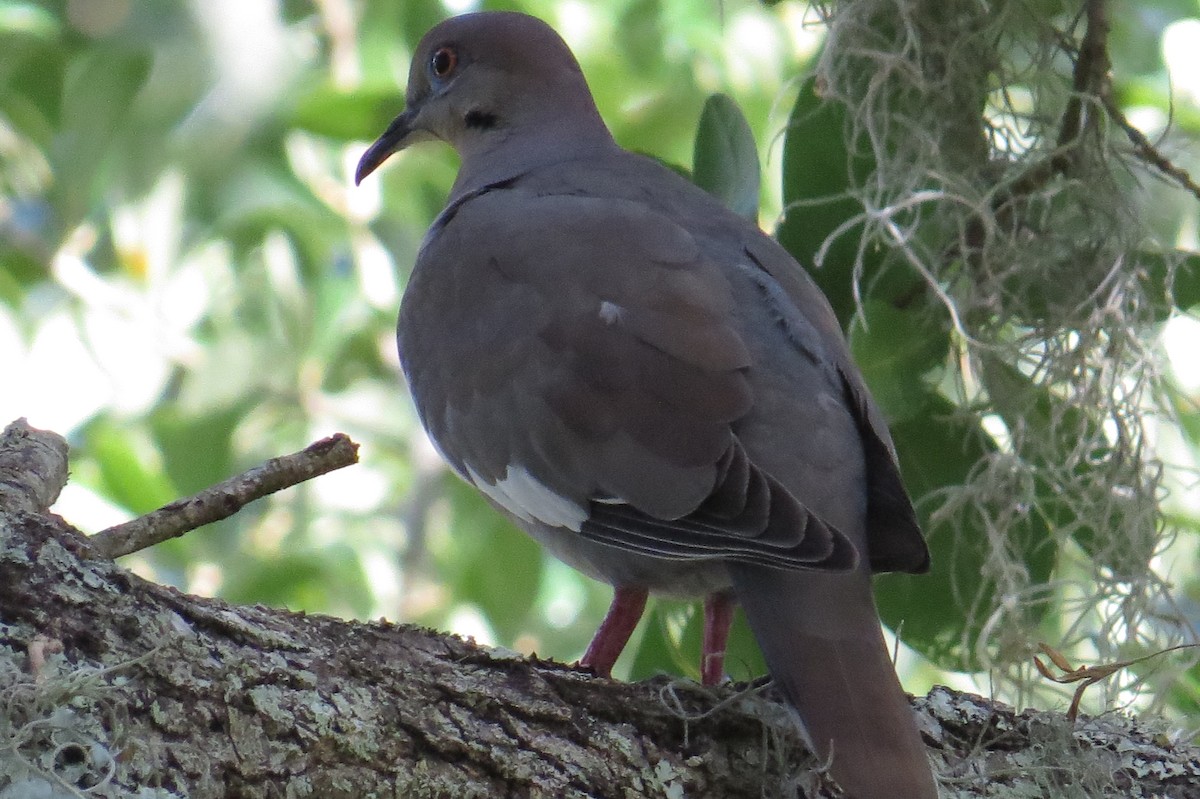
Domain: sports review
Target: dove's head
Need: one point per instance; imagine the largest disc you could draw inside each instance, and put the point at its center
(494, 85)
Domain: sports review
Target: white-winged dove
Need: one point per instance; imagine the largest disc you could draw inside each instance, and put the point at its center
(653, 388)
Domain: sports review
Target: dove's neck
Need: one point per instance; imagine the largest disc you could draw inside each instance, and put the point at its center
(516, 145)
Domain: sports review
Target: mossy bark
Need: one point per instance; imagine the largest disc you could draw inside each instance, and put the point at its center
(115, 686)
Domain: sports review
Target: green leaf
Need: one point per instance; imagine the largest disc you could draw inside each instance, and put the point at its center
(301, 581)
(1184, 692)
(98, 91)
(27, 19)
(658, 651)
(1178, 270)
(725, 163)
(641, 35)
(197, 449)
(1152, 91)
(128, 473)
(895, 349)
(263, 198)
(941, 614)
(1186, 409)
(817, 179)
(347, 115)
(672, 641)
(820, 171)
(498, 567)
(1186, 286)
(743, 658)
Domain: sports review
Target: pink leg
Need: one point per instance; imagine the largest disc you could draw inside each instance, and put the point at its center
(610, 639)
(718, 616)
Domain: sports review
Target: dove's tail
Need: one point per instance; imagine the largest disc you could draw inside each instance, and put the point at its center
(821, 638)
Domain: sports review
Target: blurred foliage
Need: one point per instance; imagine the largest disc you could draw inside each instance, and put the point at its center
(190, 283)
(725, 162)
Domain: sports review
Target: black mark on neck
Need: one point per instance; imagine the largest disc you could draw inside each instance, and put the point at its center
(481, 120)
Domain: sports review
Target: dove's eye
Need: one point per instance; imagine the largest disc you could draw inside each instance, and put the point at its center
(443, 62)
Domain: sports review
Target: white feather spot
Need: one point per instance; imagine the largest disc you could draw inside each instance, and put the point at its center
(610, 312)
(522, 495)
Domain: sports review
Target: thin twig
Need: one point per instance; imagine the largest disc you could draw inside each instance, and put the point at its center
(1147, 152)
(1089, 80)
(226, 498)
(1088, 676)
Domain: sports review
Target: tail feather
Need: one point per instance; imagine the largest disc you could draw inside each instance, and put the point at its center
(821, 638)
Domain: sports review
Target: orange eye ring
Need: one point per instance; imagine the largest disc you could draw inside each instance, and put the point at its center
(443, 62)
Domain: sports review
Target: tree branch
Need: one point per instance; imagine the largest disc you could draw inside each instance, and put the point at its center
(226, 498)
(110, 685)
(33, 468)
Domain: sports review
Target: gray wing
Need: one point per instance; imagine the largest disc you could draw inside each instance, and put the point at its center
(893, 534)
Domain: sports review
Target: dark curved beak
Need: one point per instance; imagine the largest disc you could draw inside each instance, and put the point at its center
(392, 140)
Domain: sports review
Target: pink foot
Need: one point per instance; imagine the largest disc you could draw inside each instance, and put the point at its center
(718, 616)
(613, 633)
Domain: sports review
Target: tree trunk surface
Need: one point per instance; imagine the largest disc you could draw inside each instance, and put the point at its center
(114, 686)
